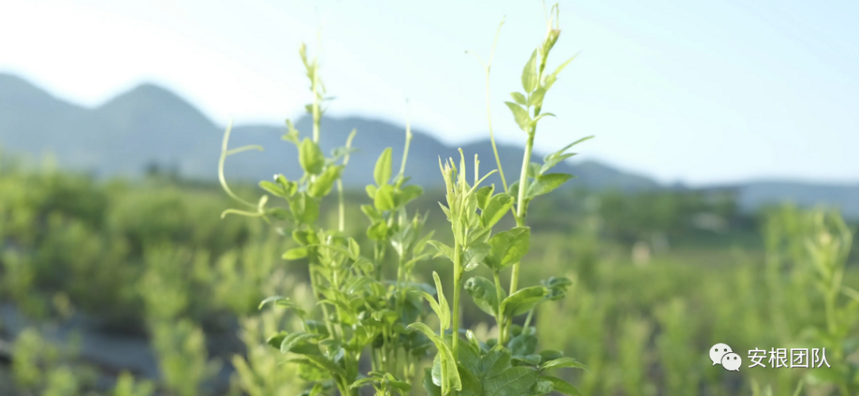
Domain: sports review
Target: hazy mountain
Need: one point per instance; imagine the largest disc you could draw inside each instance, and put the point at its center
(151, 125)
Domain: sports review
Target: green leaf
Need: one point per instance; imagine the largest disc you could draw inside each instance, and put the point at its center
(384, 199)
(371, 212)
(471, 384)
(567, 147)
(293, 340)
(561, 363)
(521, 116)
(541, 387)
(295, 254)
(495, 362)
(320, 362)
(522, 300)
(409, 193)
(523, 345)
(310, 157)
(444, 372)
(276, 339)
(272, 299)
(483, 195)
(378, 231)
(322, 186)
(371, 191)
(354, 249)
(515, 381)
(496, 208)
(273, 188)
(519, 98)
(292, 134)
(550, 79)
(474, 255)
(304, 208)
(536, 98)
(529, 74)
(533, 170)
(443, 250)
(445, 309)
(508, 247)
(383, 171)
(546, 183)
(431, 388)
(289, 187)
(550, 354)
(540, 117)
(551, 161)
(484, 294)
(562, 386)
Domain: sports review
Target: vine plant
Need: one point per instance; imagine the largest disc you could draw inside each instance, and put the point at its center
(364, 317)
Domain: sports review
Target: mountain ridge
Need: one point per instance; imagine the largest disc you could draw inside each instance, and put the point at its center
(150, 124)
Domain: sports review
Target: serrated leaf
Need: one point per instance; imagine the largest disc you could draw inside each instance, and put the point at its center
(544, 184)
(562, 386)
(310, 157)
(520, 115)
(523, 300)
(561, 363)
(382, 173)
(515, 381)
(496, 208)
(523, 345)
(508, 247)
(541, 387)
(474, 255)
(484, 293)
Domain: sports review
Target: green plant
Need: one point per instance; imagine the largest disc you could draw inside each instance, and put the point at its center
(361, 310)
(828, 246)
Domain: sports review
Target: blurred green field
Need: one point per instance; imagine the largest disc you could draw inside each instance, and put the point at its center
(138, 287)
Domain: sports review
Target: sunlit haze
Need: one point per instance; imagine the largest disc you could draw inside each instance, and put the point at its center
(682, 91)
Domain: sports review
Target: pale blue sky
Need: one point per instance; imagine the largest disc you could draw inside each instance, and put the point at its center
(702, 92)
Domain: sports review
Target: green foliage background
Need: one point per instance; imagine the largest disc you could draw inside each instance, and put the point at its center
(152, 259)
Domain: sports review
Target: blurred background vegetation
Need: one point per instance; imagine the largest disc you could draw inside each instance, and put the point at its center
(136, 287)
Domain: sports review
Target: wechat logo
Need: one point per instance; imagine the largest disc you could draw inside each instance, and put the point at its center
(723, 354)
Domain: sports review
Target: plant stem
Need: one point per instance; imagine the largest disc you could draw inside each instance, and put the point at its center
(520, 206)
(457, 277)
(499, 317)
(406, 149)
